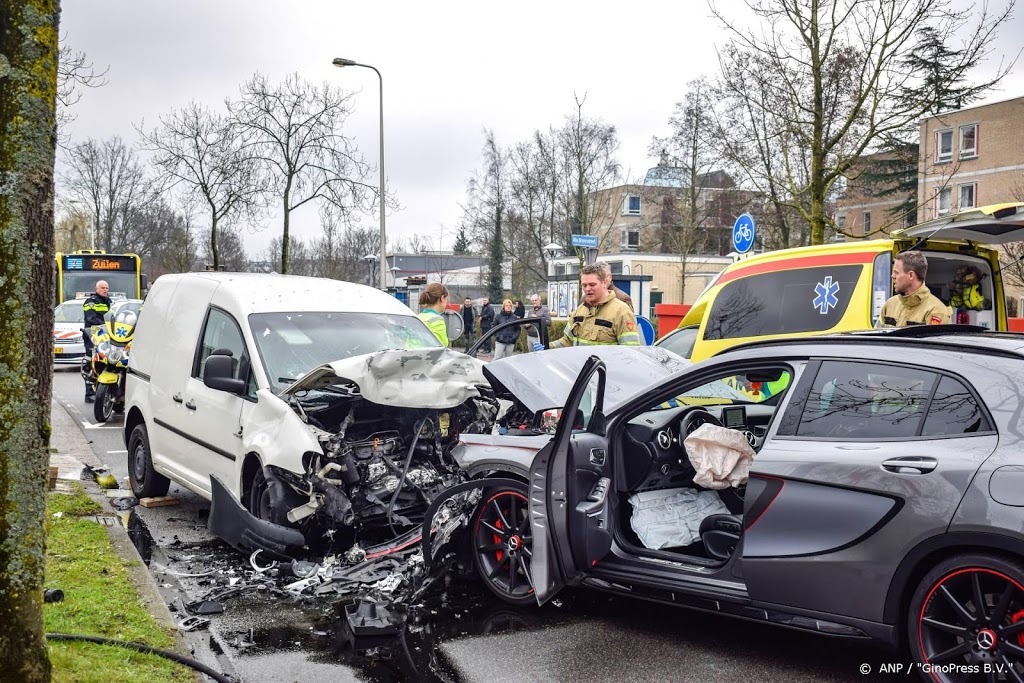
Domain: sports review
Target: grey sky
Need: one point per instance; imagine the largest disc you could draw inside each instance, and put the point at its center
(450, 69)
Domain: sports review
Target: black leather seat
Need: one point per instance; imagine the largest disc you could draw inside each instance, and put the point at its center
(720, 535)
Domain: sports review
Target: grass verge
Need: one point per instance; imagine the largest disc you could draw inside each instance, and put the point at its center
(99, 600)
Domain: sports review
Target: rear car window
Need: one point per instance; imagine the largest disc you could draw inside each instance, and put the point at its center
(854, 400)
(783, 302)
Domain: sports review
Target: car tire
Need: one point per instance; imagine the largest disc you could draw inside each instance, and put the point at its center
(502, 545)
(145, 481)
(258, 500)
(103, 407)
(944, 626)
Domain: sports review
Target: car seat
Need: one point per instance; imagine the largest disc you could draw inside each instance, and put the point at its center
(720, 535)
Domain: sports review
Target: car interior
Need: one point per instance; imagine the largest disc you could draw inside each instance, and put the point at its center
(661, 509)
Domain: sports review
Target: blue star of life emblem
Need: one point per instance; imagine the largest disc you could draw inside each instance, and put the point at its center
(826, 295)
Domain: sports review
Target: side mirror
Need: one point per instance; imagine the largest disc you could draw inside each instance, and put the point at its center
(217, 374)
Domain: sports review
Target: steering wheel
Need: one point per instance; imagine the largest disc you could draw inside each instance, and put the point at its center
(694, 418)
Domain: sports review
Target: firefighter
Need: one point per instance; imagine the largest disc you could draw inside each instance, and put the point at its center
(602, 318)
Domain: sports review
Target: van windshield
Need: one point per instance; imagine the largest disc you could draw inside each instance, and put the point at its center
(292, 344)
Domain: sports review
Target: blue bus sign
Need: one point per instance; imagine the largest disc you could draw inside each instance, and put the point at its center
(589, 241)
(743, 232)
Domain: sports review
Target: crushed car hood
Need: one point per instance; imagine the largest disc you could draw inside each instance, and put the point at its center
(544, 379)
(411, 378)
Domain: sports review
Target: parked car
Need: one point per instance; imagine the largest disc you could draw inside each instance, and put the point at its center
(842, 287)
(884, 499)
(68, 346)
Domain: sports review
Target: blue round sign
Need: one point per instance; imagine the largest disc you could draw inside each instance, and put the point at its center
(743, 232)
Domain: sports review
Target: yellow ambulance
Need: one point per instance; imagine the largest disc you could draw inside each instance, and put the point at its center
(840, 287)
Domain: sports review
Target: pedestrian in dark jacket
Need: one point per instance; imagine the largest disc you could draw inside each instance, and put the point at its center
(505, 340)
(486, 323)
(94, 308)
(469, 321)
(520, 310)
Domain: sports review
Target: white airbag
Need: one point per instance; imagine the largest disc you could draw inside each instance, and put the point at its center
(722, 457)
(670, 518)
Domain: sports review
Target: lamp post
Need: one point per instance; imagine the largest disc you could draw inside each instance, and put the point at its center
(342, 62)
(395, 270)
(371, 260)
(640, 266)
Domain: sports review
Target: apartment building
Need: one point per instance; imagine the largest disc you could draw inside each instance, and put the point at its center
(870, 206)
(971, 157)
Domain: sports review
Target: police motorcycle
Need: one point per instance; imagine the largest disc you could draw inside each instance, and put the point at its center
(108, 366)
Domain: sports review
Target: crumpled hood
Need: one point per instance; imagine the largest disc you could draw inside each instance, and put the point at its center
(411, 378)
(544, 379)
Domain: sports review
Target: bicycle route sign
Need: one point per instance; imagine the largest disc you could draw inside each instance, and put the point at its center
(743, 233)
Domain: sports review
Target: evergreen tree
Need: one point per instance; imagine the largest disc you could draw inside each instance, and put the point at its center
(461, 245)
(496, 264)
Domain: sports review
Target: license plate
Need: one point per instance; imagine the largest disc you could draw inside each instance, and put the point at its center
(57, 350)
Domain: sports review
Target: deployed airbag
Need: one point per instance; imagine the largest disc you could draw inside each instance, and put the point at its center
(721, 457)
(670, 518)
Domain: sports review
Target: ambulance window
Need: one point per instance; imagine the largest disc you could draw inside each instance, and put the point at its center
(783, 302)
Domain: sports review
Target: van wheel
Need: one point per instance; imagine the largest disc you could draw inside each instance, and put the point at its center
(258, 501)
(146, 482)
(103, 408)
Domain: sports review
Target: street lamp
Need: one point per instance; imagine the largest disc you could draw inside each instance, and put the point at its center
(342, 62)
(371, 260)
(395, 270)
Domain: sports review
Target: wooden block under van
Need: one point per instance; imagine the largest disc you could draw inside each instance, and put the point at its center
(158, 502)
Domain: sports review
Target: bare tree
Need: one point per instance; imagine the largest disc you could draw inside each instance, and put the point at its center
(231, 256)
(295, 130)
(204, 154)
(487, 211)
(74, 72)
(107, 177)
(835, 68)
(28, 93)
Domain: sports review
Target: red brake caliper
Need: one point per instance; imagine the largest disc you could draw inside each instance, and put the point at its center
(497, 539)
(1015, 618)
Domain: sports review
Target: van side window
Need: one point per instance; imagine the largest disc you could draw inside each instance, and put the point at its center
(783, 302)
(222, 332)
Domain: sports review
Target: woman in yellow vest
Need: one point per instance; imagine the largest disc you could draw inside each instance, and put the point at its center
(433, 301)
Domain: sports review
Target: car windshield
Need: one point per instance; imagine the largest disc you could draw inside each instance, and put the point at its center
(292, 344)
(69, 312)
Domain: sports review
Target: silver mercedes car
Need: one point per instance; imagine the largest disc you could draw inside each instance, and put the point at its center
(867, 485)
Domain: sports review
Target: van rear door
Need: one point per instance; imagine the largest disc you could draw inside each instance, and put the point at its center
(994, 224)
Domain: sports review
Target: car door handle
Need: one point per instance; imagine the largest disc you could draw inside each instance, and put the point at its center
(910, 465)
(177, 398)
(190, 405)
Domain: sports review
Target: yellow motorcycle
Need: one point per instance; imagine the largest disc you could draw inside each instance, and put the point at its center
(108, 367)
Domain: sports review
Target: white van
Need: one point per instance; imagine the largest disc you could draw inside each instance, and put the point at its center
(209, 357)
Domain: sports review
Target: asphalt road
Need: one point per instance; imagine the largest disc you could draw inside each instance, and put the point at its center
(460, 633)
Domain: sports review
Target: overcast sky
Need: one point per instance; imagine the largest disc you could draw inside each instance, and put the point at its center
(450, 69)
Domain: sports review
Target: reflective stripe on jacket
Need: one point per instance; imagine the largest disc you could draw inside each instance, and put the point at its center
(610, 322)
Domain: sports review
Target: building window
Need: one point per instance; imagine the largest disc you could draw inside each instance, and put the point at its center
(942, 201)
(841, 221)
(615, 267)
(867, 222)
(968, 196)
(969, 141)
(943, 145)
(559, 269)
(631, 206)
(630, 240)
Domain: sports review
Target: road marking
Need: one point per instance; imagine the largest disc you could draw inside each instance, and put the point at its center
(90, 425)
(117, 452)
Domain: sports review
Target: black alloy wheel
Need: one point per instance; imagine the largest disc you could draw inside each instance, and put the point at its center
(503, 546)
(145, 481)
(966, 621)
(103, 408)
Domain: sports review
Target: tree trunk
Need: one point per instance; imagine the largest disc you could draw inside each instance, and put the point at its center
(28, 88)
(285, 237)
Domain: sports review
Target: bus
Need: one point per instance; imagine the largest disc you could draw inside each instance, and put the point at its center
(78, 273)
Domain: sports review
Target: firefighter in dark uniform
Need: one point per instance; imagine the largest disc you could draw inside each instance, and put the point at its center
(602, 318)
(95, 307)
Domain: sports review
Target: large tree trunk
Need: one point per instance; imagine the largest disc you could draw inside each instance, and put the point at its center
(28, 87)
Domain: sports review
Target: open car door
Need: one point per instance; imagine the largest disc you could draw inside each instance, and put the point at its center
(994, 224)
(570, 483)
(517, 324)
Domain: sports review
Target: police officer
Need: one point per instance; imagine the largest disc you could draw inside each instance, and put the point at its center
(95, 307)
(602, 318)
(913, 303)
